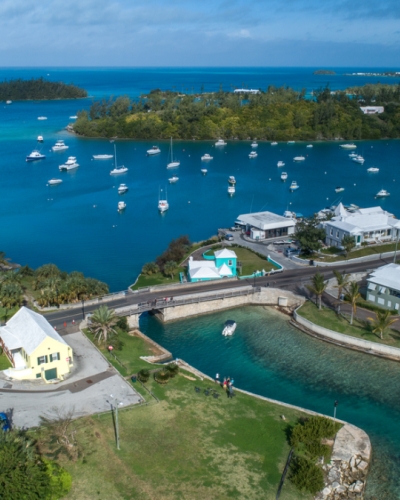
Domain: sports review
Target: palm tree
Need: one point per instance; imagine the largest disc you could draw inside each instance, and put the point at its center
(353, 294)
(318, 287)
(342, 280)
(102, 322)
(381, 322)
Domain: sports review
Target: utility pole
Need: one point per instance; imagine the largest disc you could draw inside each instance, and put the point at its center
(115, 407)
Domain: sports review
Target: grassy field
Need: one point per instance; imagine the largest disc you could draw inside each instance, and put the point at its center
(362, 252)
(4, 362)
(329, 319)
(188, 446)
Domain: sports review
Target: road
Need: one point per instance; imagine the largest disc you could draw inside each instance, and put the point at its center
(291, 279)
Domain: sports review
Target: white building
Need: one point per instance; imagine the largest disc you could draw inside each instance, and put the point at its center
(384, 287)
(370, 225)
(264, 225)
(221, 265)
(246, 91)
(372, 110)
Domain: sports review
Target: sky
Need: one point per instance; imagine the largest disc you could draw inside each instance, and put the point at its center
(200, 33)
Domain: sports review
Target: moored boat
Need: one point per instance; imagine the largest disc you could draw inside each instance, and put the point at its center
(206, 157)
(254, 144)
(231, 179)
(59, 146)
(121, 206)
(173, 179)
(229, 328)
(231, 190)
(70, 164)
(40, 138)
(117, 170)
(348, 146)
(253, 154)
(294, 186)
(373, 169)
(53, 182)
(35, 155)
(309, 146)
(358, 159)
(204, 171)
(174, 163)
(284, 176)
(102, 157)
(220, 142)
(280, 164)
(382, 194)
(155, 150)
(299, 158)
(339, 189)
(123, 188)
(274, 143)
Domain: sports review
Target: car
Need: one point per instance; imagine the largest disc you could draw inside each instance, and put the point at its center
(229, 237)
(4, 423)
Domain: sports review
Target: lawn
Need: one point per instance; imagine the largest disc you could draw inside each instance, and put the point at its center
(251, 261)
(329, 319)
(188, 446)
(4, 362)
(354, 254)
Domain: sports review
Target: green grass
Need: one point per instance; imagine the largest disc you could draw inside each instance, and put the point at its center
(251, 261)
(360, 329)
(354, 254)
(133, 347)
(189, 446)
(4, 362)
(6, 314)
(157, 279)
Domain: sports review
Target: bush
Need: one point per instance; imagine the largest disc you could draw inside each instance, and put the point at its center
(172, 369)
(150, 268)
(162, 376)
(122, 324)
(143, 375)
(372, 307)
(306, 476)
(308, 433)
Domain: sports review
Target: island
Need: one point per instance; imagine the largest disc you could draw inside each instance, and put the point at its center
(324, 72)
(276, 114)
(38, 89)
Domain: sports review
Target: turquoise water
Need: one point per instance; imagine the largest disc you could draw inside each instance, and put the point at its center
(269, 357)
(76, 224)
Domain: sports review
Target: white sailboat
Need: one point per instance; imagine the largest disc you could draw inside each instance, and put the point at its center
(163, 204)
(173, 163)
(117, 170)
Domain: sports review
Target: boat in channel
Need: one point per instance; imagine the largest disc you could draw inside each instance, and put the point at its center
(294, 186)
(348, 146)
(284, 176)
(229, 328)
(102, 157)
(35, 155)
(253, 155)
(382, 194)
(70, 164)
(220, 142)
(206, 157)
(163, 204)
(122, 188)
(117, 170)
(174, 163)
(155, 150)
(121, 206)
(59, 146)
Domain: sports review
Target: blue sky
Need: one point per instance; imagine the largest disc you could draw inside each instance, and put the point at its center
(200, 33)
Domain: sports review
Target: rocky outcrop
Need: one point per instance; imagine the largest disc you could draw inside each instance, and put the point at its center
(346, 474)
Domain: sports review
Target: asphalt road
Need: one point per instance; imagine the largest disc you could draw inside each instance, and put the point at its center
(291, 279)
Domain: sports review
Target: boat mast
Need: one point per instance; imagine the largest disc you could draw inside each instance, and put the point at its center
(172, 153)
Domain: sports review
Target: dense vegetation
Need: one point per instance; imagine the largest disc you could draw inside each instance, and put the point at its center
(276, 114)
(38, 89)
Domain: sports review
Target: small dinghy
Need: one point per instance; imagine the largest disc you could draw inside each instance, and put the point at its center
(229, 328)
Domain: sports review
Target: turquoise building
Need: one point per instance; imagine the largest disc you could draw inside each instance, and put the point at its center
(221, 265)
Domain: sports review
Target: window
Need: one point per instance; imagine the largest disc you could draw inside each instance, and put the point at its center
(38, 375)
(389, 304)
(41, 360)
(337, 234)
(381, 301)
(331, 232)
(229, 262)
(371, 298)
(371, 286)
(55, 356)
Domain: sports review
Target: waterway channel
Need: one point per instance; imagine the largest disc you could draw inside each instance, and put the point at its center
(269, 357)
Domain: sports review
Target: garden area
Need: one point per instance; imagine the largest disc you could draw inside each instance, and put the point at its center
(333, 254)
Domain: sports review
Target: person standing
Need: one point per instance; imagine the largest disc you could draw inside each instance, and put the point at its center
(217, 378)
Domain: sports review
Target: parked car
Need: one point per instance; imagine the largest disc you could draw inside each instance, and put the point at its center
(229, 237)
(4, 423)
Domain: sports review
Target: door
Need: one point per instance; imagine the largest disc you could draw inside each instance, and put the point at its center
(50, 374)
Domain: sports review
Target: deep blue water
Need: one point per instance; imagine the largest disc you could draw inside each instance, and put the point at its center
(269, 357)
(76, 224)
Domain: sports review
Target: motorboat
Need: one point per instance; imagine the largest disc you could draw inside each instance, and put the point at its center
(163, 204)
(8, 102)
(173, 179)
(274, 143)
(155, 150)
(173, 163)
(382, 194)
(229, 328)
(204, 171)
(254, 144)
(294, 186)
(206, 157)
(220, 142)
(40, 138)
(284, 176)
(102, 157)
(231, 179)
(35, 155)
(253, 154)
(291, 142)
(299, 158)
(117, 170)
(348, 146)
(309, 146)
(280, 164)
(70, 164)
(372, 169)
(353, 155)
(53, 182)
(289, 215)
(359, 159)
(231, 190)
(42, 117)
(121, 206)
(59, 146)
(339, 189)
(122, 188)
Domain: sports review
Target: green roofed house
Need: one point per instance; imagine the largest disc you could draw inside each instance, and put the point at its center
(34, 348)
(221, 265)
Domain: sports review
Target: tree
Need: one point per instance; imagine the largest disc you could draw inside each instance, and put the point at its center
(310, 235)
(352, 296)
(170, 268)
(102, 325)
(318, 287)
(150, 268)
(348, 243)
(11, 295)
(342, 280)
(381, 322)
(60, 431)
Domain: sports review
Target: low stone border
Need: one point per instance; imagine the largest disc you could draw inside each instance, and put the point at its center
(166, 355)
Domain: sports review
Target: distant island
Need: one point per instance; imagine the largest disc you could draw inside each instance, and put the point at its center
(324, 72)
(38, 89)
(277, 114)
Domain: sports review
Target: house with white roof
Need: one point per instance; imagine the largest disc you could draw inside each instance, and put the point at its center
(34, 348)
(220, 265)
(384, 287)
(264, 225)
(370, 225)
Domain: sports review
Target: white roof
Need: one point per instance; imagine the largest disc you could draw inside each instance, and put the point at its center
(27, 329)
(388, 276)
(225, 254)
(266, 220)
(363, 219)
(224, 270)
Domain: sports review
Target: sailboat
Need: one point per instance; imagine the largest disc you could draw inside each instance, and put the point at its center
(173, 163)
(163, 205)
(117, 170)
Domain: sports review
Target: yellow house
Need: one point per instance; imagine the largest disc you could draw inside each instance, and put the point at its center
(34, 348)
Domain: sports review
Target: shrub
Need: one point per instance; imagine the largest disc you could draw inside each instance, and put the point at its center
(308, 433)
(306, 476)
(172, 369)
(122, 324)
(150, 268)
(143, 375)
(162, 376)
